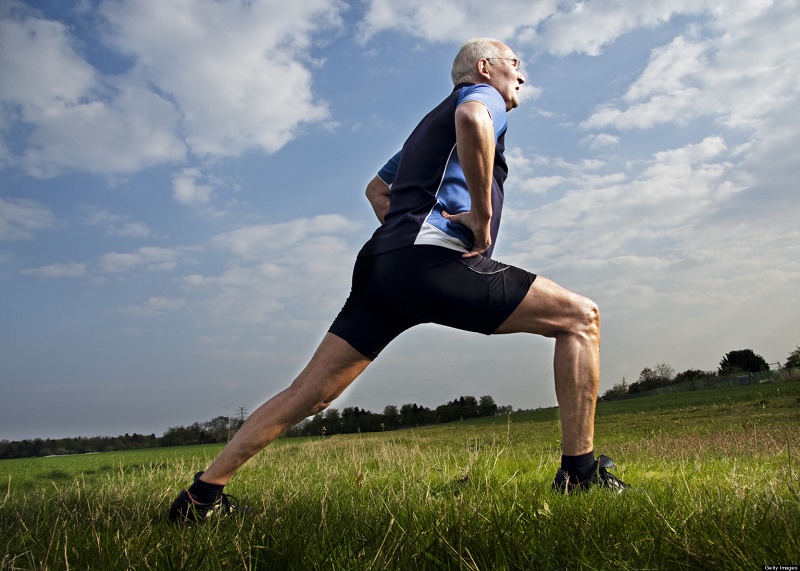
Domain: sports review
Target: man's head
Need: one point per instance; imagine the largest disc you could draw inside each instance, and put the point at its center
(489, 61)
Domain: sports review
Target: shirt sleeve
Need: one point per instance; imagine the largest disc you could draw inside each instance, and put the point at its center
(389, 170)
(494, 102)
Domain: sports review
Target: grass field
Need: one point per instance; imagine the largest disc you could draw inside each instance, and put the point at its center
(714, 475)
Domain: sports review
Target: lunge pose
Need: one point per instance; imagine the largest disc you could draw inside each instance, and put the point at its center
(439, 202)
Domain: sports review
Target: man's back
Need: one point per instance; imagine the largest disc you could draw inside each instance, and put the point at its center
(429, 179)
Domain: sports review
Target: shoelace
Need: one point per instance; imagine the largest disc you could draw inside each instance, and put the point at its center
(229, 502)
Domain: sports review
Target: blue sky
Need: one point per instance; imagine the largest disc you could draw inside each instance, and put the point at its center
(181, 194)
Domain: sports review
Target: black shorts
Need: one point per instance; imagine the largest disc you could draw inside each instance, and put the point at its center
(397, 290)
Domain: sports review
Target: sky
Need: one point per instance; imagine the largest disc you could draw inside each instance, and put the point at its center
(182, 194)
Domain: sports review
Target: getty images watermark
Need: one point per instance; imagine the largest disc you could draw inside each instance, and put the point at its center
(780, 568)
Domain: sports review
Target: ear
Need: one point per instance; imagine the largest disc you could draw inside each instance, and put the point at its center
(482, 67)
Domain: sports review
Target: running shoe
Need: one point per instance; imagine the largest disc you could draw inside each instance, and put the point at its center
(600, 477)
(186, 508)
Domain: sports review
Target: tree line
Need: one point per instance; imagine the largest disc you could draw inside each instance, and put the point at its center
(352, 419)
(218, 429)
(663, 375)
(222, 428)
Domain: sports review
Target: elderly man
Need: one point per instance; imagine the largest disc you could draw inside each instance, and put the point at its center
(439, 202)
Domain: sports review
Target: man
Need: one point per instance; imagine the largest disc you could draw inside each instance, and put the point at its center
(430, 261)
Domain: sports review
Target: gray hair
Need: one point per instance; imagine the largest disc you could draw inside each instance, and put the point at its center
(471, 52)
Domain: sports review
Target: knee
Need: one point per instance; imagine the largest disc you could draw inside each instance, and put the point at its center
(310, 398)
(319, 406)
(589, 320)
(593, 317)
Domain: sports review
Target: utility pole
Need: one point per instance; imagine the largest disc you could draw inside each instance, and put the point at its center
(228, 411)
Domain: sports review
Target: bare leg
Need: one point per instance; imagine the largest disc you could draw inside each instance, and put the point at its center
(331, 370)
(574, 322)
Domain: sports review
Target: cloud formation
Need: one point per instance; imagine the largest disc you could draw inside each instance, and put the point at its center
(21, 219)
(738, 74)
(148, 258)
(77, 118)
(214, 79)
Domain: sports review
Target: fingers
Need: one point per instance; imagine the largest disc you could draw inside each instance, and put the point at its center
(481, 239)
(479, 246)
(477, 249)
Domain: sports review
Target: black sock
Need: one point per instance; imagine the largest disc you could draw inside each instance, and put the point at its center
(204, 492)
(579, 467)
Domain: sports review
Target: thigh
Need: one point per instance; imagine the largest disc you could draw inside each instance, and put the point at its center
(366, 322)
(433, 284)
(547, 309)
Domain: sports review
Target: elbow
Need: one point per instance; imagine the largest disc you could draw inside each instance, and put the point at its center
(376, 189)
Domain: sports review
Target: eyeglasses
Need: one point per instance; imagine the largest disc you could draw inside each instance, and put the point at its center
(512, 59)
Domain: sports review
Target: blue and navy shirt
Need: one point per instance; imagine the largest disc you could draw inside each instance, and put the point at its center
(426, 178)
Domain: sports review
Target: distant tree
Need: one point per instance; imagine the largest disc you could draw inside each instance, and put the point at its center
(643, 384)
(415, 415)
(470, 406)
(370, 422)
(218, 428)
(458, 409)
(449, 412)
(741, 361)
(618, 389)
(407, 413)
(659, 376)
(487, 406)
(692, 375)
(664, 373)
(349, 422)
(391, 417)
(333, 422)
(794, 359)
(315, 425)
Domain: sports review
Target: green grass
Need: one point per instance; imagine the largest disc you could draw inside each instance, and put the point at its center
(714, 473)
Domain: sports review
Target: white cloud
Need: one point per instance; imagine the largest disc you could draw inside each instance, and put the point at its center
(151, 258)
(586, 27)
(155, 306)
(133, 230)
(187, 191)
(215, 78)
(296, 272)
(238, 71)
(117, 225)
(78, 120)
(454, 20)
(292, 286)
(59, 72)
(607, 215)
(747, 70)
(669, 68)
(555, 26)
(70, 270)
(600, 140)
(21, 218)
(252, 242)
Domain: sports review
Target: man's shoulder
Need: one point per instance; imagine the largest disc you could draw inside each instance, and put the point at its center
(481, 92)
(491, 98)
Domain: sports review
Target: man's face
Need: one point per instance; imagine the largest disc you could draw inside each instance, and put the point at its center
(505, 76)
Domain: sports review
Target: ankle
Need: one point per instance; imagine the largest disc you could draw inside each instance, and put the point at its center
(204, 492)
(580, 467)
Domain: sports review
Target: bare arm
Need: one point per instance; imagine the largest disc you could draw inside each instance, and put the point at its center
(378, 194)
(476, 146)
